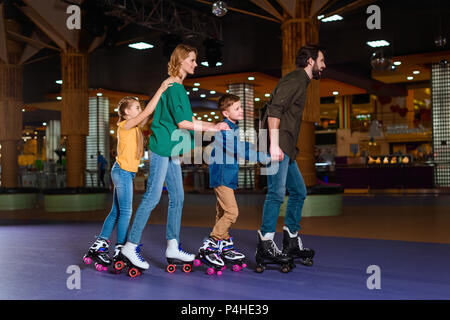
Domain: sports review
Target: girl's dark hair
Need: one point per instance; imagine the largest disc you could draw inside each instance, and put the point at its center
(306, 52)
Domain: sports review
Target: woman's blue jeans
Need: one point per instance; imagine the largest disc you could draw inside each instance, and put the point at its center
(161, 169)
(288, 176)
(122, 208)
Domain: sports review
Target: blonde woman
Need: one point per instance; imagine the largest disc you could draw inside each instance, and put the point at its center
(173, 112)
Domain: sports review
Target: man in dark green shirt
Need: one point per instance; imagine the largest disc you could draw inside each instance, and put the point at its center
(283, 117)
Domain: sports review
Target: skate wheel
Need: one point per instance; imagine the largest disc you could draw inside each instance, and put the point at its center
(187, 268)
(236, 268)
(210, 271)
(98, 267)
(285, 269)
(105, 268)
(133, 272)
(307, 262)
(244, 266)
(119, 265)
(87, 260)
(170, 268)
(219, 273)
(197, 263)
(260, 268)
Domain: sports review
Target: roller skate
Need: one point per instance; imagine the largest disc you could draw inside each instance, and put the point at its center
(231, 255)
(267, 252)
(177, 257)
(130, 256)
(98, 252)
(118, 262)
(293, 246)
(209, 254)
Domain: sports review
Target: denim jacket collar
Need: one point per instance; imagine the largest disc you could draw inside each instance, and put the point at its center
(231, 124)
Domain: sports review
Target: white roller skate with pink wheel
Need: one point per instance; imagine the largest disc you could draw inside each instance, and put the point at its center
(231, 255)
(209, 254)
(98, 253)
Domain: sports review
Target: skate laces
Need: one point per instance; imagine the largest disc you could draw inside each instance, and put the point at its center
(182, 251)
(274, 247)
(138, 253)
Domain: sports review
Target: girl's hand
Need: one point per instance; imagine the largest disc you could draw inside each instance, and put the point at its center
(165, 84)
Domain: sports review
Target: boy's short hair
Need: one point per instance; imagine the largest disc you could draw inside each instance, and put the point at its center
(226, 101)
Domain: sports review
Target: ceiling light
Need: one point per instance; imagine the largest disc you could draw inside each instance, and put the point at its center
(213, 113)
(335, 93)
(416, 72)
(204, 63)
(219, 64)
(335, 17)
(409, 78)
(378, 43)
(59, 98)
(99, 94)
(203, 95)
(267, 95)
(257, 99)
(397, 63)
(197, 84)
(141, 46)
(194, 89)
(209, 119)
(251, 78)
(212, 92)
(194, 114)
(59, 81)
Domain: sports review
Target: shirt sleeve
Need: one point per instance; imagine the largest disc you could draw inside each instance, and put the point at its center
(179, 106)
(282, 98)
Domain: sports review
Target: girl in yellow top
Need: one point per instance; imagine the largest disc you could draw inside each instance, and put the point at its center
(130, 149)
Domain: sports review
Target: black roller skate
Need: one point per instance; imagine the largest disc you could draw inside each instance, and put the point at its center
(230, 255)
(209, 253)
(177, 257)
(130, 257)
(293, 246)
(267, 252)
(98, 253)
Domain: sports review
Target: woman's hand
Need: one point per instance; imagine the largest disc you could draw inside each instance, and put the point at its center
(222, 126)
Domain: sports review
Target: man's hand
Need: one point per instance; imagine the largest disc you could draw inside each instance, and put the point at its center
(276, 154)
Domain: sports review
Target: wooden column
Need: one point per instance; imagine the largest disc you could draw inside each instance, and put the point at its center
(75, 113)
(297, 32)
(10, 109)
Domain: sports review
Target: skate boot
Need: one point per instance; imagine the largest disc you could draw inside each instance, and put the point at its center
(178, 257)
(293, 246)
(231, 255)
(209, 254)
(267, 252)
(131, 256)
(98, 252)
(118, 262)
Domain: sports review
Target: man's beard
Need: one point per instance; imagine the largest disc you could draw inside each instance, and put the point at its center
(316, 73)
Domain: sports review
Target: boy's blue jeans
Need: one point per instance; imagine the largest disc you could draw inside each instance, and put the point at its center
(122, 208)
(161, 169)
(288, 176)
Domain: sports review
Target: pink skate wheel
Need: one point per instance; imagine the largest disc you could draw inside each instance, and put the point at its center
(244, 266)
(98, 267)
(219, 273)
(105, 268)
(210, 271)
(87, 260)
(197, 263)
(223, 268)
(236, 268)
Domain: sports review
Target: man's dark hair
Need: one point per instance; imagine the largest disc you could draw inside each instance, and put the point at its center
(306, 52)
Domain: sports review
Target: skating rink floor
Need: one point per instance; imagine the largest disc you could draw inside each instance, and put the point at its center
(36, 258)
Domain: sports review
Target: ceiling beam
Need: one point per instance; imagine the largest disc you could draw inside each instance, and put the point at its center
(44, 26)
(316, 6)
(351, 6)
(288, 6)
(264, 4)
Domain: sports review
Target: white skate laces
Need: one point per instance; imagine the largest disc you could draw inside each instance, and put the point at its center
(293, 235)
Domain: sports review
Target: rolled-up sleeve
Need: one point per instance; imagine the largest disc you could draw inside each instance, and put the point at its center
(179, 107)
